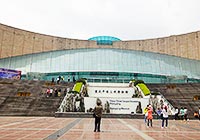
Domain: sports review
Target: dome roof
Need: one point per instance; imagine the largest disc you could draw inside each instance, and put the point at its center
(104, 40)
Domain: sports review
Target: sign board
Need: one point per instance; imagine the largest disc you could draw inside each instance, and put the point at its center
(117, 105)
(10, 74)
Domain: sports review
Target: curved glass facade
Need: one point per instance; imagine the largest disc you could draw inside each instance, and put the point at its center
(106, 64)
(104, 40)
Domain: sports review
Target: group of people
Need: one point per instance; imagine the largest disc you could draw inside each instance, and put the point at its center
(61, 79)
(181, 114)
(148, 111)
(162, 113)
(54, 92)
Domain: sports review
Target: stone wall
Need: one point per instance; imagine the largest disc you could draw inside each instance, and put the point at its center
(16, 42)
(187, 45)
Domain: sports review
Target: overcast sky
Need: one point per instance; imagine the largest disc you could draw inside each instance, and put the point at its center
(82, 19)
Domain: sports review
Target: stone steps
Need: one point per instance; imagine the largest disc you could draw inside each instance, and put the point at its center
(179, 95)
(37, 104)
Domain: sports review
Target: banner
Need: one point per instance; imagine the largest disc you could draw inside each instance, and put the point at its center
(10, 74)
(117, 105)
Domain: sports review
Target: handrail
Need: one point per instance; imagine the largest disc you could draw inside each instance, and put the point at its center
(63, 103)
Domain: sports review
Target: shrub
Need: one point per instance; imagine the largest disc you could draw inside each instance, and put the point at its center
(144, 89)
(78, 87)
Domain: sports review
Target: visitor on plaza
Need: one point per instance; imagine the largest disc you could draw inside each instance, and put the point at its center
(176, 117)
(145, 113)
(159, 112)
(185, 114)
(165, 117)
(182, 113)
(97, 115)
(150, 116)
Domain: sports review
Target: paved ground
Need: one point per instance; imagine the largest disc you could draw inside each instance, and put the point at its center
(50, 128)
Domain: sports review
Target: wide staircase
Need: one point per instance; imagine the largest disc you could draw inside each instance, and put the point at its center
(28, 98)
(179, 95)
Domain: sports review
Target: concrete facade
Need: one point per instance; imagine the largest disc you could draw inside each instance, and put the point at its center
(17, 42)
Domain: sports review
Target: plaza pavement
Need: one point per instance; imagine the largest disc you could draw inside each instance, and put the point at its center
(50, 128)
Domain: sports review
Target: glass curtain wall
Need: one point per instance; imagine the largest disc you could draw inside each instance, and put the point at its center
(123, 62)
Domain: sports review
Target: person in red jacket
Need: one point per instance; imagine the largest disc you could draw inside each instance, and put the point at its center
(150, 116)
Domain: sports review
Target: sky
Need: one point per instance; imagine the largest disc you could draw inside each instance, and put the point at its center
(83, 19)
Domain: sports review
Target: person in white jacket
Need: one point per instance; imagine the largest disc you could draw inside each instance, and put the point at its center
(165, 117)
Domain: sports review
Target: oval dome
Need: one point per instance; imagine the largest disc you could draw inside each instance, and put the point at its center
(104, 40)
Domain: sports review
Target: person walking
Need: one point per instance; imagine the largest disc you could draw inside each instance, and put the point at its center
(165, 117)
(150, 116)
(176, 117)
(182, 113)
(145, 114)
(97, 115)
(185, 114)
